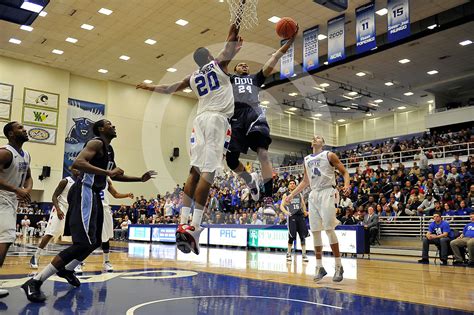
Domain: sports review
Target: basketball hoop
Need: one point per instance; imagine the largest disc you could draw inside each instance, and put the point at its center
(247, 13)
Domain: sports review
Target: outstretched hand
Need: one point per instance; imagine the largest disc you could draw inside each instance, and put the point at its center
(148, 175)
(143, 86)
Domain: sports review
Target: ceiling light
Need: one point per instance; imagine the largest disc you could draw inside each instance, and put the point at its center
(318, 115)
(388, 83)
(465, 43)
(341, 120)
(378, 101)
(71, 40)
(402, 107)
(30, 6)
(408, 93)
(124, 57)
(320, 102)
(368, 114)
(325, 105)
(372, 104)
(352, 93)
(87, 27)
(181, 22)
(265, 102)
(150, 41)
(26, 28)
(324, 85)
(348, 97)
(105, 11)
(171, 70)
(293, 109)
(322, 37)
(432, 27)
(147, 81)
(14, 41)
(432, 72)
(430, 102)
(43, 13)
(291, 113)
(293, 94)
(320, 89)
(57, 52)
(103, 70)
(360, 74)
(315, 118)
(326, 63)
(263, 106)
(346, 108)
(402, 61)
(274, 19)
(382, 12)
(187, 90)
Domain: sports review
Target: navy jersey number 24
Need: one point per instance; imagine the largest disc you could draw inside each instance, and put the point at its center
(206, 83)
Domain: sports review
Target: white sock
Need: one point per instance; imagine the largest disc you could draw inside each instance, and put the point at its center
(185, 211)
(319, 262)
(39, 251)
(106, 257)
(338, 261)
(197, 217)
(73, 264)
(47, 272)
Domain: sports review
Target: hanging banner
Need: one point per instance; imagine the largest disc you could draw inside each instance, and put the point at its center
(287, 66)
(398, 19)
(81, 115)
(365, 29)
(40, 116)
(41, 99)
(41, 134)
(310, 49)
(336, 43)
(6, 92)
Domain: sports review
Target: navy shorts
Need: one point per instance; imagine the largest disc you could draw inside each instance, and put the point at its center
(249, 130)
(85, 215)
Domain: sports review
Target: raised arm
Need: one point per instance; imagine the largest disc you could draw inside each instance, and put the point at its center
(304, 183)
(229, 51)
(269, 66)
(283, 205)
(166, 88)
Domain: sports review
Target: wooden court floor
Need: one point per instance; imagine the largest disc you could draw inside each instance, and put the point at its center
(386, 277)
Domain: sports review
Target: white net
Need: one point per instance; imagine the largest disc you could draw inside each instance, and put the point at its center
(247, 13)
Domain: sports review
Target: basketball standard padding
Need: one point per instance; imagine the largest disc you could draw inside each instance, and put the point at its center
(286, 27)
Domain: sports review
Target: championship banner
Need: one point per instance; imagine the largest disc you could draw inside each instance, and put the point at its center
(310, 49)
(398, 19)
(287, 66)
(365, 28)
(81, 115)
(336, 42)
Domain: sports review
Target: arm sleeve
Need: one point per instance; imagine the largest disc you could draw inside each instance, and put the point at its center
(259, 78)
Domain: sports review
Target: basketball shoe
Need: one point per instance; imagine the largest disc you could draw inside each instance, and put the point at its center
(187, 238)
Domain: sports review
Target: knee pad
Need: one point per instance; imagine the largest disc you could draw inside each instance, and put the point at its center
(232, 159)
(291, 239)
(332, 237)
(318, 241)
(106, 246)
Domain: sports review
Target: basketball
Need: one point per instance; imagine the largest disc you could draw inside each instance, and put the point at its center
(286, 27)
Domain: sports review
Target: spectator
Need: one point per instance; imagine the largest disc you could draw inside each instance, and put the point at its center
(282, 219)
(255, 219)
(456, 162)
(124, 227)
(348, 218)
(466, 239)
(371, 224)
(439, 233)
(463, 209)
(453, 176)
(427, 205)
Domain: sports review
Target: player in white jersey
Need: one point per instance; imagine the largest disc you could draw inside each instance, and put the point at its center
(211, 131)
(108, 227)
(42, 226)
(15, 184)
(319, 169)
(56, 222)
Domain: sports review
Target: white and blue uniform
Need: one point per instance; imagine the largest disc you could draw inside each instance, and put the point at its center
(108, 228)
(14, 175)
(55, 226)
(322, 212)
(211, 129)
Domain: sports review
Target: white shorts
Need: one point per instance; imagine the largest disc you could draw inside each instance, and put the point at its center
(7, 222)
(108, 227)
(322, 212)
(209, 141)
(55, 227)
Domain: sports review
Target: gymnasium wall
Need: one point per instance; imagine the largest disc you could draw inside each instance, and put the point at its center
(392, 125)
(148, 126)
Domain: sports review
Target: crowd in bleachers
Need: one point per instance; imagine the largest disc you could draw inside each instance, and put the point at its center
(392, 191)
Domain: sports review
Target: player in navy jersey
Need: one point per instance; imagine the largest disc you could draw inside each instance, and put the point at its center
(85, 214)
(249, 124)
